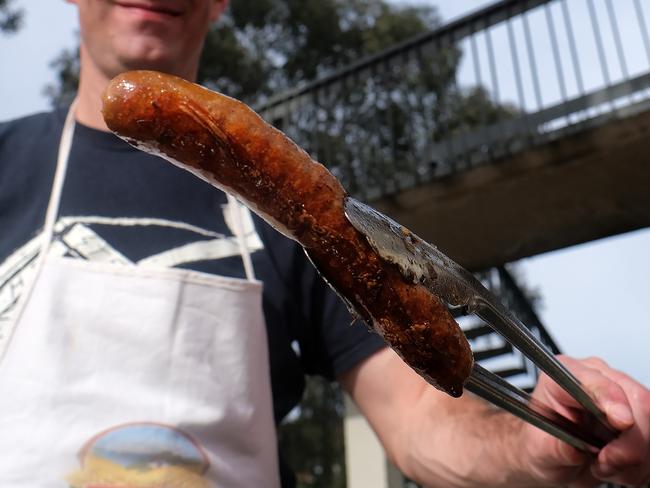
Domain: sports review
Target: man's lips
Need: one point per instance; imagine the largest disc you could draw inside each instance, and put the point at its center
(151, 7)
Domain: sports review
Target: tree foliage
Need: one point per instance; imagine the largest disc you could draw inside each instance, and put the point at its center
(312, 439)
(263, 47)
(66, 67)
(10, 18)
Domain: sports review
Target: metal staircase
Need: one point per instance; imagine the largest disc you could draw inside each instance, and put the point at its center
(490, 349)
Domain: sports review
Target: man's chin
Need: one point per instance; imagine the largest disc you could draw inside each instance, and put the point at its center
(165, 64)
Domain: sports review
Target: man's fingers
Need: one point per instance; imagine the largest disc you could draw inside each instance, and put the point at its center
(596, 363)
(571, 455)
(637, 395)
(553, 460)
(606, 392)
(626, 459)
(626, 405)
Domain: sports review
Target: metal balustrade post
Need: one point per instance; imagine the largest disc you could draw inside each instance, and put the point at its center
(643, 28)
(517, 70)
(618, 43)
(595, 27)
(556, 58)
(575, 60)
(532, 62)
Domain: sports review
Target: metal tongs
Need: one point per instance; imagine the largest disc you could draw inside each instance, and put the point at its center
(425, 264)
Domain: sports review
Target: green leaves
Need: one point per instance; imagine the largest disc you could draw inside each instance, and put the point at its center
(10, 19)
(263, 47)
(312, 440)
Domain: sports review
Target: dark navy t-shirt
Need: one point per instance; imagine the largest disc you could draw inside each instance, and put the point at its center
(122, 204)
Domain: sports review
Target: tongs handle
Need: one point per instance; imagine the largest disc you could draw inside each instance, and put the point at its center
(499, 392)
(516, 333)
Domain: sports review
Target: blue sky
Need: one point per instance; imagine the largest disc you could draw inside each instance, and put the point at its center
(595, 295)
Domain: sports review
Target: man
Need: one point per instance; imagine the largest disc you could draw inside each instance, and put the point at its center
(141, 355)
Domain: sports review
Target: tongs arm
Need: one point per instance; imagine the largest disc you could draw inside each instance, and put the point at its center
(492, 312)
(499, 392)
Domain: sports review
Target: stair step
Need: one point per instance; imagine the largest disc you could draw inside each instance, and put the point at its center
(479, 331)
(504, 350)
(507, 373)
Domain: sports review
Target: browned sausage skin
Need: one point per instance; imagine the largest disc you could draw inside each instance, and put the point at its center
(224, 142)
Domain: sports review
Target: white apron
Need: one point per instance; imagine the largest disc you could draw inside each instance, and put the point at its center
(123, 376)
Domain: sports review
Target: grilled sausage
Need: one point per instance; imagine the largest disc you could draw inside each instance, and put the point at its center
(227, 144)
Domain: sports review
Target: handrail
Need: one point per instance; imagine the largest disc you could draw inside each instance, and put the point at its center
(487, 16)
(442, 102)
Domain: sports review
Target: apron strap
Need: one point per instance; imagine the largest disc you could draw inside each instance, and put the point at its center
(59, 178)
(65, 143)
(235, 210)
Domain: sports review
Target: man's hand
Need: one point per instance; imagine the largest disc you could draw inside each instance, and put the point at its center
(442, 441)
(625, 460)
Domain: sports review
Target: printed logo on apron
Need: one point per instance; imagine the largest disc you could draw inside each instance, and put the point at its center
(141, 455)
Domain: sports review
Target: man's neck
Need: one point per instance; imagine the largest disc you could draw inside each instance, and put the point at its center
(92, 83)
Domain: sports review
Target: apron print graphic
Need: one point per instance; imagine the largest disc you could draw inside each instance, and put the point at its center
(141, 455)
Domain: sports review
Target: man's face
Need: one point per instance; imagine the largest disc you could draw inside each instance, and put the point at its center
(165, 35)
